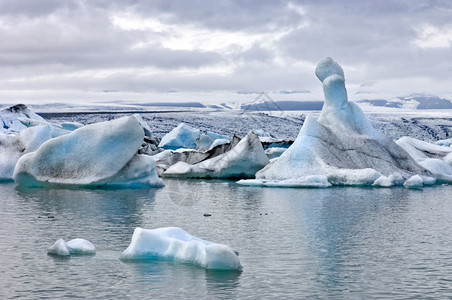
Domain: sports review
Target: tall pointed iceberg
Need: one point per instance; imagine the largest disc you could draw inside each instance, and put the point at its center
(341, 147)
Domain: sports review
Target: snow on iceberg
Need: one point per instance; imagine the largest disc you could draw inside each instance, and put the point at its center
(340, 145)
(73, 247)
(183, 136)
(101, 154)
(242, 161)
(174, 243)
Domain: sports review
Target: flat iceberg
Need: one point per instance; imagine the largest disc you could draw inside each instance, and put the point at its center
(174, 243)
(101, 154)
(242, 161)
(73, 247)
(341, 146)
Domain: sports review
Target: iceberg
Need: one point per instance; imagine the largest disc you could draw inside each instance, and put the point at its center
(341, 146)
(203, 142)
(433, 157)
(13, 146)
(242, 161)
(173, 243)
(19, 117)
(167, 158)
(73, 247)
(150, 142)
(100, 154)
(183, 136)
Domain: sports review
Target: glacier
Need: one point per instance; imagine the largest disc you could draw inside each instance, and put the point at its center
(242, 161)
(76, 246)
(341, 147)
(173, 243)
(97, 155)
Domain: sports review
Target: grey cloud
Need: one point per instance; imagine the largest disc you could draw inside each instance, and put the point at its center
(87, 40)
(231, 15)
(375, 36)
(46, 43)
(36, 8)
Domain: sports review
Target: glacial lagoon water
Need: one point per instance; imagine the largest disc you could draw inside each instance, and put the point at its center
(333, 243)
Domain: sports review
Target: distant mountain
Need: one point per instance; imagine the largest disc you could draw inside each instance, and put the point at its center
(414, 101)
(427, 101)
(382, 103)
(282, 105)
(175, 104)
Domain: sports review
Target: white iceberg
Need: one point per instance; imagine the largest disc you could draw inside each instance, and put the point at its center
(341, 145)
(73, 247)
(435, 158)
(242, 161)
(218, 142)
(101, 154)
(167, 158)
(12, 147)
(210, 140)
(183, 136)
(17, 118)
(174, 243)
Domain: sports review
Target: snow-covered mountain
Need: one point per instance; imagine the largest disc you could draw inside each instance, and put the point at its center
(413, 101)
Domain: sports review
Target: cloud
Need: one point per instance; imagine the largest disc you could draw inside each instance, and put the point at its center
(132, 46)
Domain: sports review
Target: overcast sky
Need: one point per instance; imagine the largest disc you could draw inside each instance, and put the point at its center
(74, 50)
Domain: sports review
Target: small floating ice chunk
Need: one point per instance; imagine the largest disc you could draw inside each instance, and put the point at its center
(388, 181)
(59, 248)
(174, 243)
(81, 246)
(73, 247)
(414, 181)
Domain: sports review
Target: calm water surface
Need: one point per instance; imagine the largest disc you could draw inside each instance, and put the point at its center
(335, 243)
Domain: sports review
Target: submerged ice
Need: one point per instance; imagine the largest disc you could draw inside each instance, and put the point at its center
(341, 147)
(174, 243)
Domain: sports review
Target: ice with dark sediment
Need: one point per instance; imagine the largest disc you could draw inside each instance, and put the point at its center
(101, 154)
(242, 161)
(341, 147)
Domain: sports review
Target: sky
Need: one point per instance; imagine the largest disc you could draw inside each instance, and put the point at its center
(220, 51)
